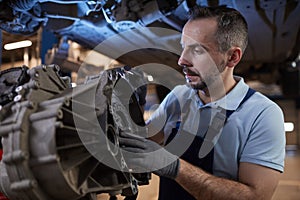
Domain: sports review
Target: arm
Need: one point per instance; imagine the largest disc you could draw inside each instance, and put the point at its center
(158, 138)
(255, 182)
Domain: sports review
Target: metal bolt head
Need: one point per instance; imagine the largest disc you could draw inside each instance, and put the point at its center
(19, 89)
(17, 98)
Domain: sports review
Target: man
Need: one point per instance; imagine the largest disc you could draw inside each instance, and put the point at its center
(230, 140)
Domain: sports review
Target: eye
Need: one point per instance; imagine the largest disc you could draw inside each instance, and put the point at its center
(198, 49)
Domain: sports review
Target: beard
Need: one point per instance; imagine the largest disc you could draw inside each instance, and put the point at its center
(198, 86)
(206, 81)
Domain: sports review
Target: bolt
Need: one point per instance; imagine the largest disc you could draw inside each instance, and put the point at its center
(19, 89)
(44, 67)
(17, 98)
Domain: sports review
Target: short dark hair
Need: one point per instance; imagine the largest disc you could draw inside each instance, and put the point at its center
(232, 27)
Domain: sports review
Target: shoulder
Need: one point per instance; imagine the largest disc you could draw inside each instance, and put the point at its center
(266, 118)
(180, 90)
(179, 94)
(260, 103)
(259, 116)
(174, 102)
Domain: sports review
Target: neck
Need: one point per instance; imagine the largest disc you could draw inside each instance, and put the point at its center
(217, 91)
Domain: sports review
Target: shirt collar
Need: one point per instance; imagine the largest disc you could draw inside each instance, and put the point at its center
(232, 100)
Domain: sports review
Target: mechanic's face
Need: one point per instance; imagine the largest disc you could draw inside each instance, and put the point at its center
(200, 57)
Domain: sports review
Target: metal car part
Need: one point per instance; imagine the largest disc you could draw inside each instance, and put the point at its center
(45, 157)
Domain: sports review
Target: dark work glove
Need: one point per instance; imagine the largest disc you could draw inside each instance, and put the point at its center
(144, 155)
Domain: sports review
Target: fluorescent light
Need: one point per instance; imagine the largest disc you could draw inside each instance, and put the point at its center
(288, 126)
(17, 45)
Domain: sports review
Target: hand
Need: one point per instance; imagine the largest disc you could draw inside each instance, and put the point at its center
(143, 155)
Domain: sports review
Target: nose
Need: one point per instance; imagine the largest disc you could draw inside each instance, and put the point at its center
(183, 61)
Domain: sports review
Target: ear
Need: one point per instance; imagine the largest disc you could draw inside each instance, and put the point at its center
(234, 56)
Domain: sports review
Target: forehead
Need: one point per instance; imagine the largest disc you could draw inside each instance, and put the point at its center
(200, 31)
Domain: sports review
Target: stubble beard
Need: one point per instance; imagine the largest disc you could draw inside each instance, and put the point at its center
(209, 81)
(198, 86)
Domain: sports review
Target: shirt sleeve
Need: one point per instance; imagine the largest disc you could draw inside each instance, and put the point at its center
(165, 116)
(266, 142)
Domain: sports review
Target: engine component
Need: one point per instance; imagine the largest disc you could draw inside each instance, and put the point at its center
(20, 16)
(61, 142)
(10, 79)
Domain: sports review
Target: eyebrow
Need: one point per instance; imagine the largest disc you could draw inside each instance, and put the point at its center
(197, 45)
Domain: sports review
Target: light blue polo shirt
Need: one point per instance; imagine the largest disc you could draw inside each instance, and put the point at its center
(254, 133)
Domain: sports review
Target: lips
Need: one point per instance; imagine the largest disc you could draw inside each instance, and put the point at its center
(190, 76)
(188, 72)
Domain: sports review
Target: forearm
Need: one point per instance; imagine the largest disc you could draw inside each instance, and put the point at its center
(206, 186)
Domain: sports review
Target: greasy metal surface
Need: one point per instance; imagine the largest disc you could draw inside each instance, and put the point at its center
(50, 143)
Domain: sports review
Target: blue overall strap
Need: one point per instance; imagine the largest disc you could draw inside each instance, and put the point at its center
(250, 92)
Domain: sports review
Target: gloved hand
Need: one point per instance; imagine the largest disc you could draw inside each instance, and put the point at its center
(143, 155)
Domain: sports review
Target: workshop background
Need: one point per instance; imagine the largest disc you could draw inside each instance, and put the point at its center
(84, 38)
